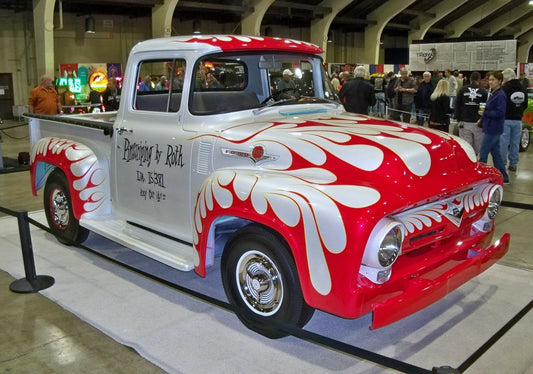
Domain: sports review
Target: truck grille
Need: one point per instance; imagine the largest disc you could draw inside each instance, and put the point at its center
(432, 223)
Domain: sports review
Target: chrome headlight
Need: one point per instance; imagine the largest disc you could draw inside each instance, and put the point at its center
(384, 244)
(495, 200)
(390, 247)
(382, 249)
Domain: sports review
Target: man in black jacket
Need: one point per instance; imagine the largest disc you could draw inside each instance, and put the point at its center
(423, 98)
(512, 130)
(357, 95)
(111, 95)
(466, 111)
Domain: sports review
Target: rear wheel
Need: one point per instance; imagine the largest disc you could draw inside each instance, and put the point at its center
(261, 281)
(59, 213)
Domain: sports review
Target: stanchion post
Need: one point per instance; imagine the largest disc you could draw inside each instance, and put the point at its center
(31, 283)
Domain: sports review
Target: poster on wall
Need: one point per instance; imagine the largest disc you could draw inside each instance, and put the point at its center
(463, 56)
(68, 70)
(93, 67)
(114, 70)
(68, 77)
(528, 69)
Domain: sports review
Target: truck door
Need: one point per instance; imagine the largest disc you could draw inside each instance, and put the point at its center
(152, 151)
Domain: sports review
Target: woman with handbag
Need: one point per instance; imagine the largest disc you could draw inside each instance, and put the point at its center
(439, 118)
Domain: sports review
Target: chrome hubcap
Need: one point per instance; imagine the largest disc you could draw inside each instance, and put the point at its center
(59, 209)
(260, 283)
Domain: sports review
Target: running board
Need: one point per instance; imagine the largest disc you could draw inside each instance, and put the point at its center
(174, 253)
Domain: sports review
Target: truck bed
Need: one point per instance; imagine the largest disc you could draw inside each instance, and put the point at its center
(103, 121)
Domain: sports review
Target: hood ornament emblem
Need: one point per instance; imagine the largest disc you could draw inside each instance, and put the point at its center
(455, 213)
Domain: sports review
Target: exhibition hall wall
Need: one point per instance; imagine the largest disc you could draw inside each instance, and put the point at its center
(71, 44)
(114, 37)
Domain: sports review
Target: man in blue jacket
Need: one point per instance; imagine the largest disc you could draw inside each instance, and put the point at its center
(493, 118)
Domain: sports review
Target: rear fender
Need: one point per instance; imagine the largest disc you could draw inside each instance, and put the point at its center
(87, 176)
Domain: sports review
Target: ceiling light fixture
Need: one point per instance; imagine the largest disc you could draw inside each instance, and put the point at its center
(331, 36)
(89, 25)
(196, 27)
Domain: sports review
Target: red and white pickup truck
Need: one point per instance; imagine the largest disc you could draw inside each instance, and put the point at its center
(308, 206)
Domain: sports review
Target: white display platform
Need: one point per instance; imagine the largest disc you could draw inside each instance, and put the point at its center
(182, 334)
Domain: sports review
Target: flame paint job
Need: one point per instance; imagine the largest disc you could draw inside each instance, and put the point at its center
(80, 166)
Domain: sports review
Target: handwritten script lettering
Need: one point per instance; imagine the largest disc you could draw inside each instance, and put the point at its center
(137, 152)
(174, 156)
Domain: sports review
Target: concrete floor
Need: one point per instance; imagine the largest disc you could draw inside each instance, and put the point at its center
(36, 335)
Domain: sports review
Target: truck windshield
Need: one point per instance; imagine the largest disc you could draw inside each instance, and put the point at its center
(227, 83)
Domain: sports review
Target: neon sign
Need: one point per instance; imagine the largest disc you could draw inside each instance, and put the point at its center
(98, 81)
(74, 84)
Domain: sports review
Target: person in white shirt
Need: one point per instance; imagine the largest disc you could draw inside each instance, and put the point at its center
(452, 81)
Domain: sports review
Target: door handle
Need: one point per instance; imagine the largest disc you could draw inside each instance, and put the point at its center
(120, 130)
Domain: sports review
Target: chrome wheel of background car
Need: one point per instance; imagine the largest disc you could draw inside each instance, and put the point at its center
(261, 281)
(524, 140)
(58, 210)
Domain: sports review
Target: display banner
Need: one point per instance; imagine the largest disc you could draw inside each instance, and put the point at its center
(463, 56)
(68, 70)
(114, 70)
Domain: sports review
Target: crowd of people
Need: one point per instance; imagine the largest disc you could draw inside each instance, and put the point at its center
(44, 99)
(488, 110)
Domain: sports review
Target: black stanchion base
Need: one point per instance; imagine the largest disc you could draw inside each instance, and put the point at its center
(445, 370)
(24, 285)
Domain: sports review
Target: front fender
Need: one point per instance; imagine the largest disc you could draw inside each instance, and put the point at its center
(307, 209)
(88, 177)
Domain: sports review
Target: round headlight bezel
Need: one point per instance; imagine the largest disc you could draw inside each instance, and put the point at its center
(495, 199)
(384, 245)
(390, 247)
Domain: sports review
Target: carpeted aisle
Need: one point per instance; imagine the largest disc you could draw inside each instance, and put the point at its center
(184, 335)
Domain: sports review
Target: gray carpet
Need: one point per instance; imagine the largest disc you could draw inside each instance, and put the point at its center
(184, 335)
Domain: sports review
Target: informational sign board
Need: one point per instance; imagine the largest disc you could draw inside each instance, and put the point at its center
(463, 56)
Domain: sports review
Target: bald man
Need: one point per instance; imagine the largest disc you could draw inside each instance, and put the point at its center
(44, 98)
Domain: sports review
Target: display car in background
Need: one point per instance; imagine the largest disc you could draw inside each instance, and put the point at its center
(308, 206)
(527, 122)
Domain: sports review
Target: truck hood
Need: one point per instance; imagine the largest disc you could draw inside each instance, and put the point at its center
(409, 165)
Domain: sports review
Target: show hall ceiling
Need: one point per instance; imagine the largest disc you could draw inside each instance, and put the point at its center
(421, 19)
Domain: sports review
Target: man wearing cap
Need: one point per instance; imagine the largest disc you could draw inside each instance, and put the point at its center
(286, 87)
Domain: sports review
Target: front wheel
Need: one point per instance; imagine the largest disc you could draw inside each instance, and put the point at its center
(524, 139)
(260, 279)
(59, 213)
